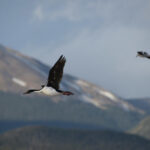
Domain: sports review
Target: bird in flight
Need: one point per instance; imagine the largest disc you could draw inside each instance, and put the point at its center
(143, 54)
(54, 79)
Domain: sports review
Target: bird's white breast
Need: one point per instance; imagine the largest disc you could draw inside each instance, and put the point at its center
(49, 91)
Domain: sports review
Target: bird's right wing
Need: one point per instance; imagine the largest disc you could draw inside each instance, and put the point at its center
(56, 73)
(146, 55)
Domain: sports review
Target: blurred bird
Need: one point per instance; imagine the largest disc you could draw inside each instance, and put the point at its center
(54, 78)
(143, 54)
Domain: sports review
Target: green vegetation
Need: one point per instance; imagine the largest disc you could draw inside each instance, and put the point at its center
(43, 138)
(143, 128)
(24, 108)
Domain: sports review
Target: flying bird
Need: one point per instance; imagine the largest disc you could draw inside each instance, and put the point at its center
(54, 79)
(143, 54)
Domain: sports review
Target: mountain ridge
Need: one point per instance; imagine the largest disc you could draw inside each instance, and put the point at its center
(27, 72)
(142, 128)
(99, 106)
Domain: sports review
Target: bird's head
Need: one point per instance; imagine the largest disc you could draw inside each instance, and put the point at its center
(140, 54)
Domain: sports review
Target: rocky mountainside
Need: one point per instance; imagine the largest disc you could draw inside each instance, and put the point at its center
(90, 104)
(143, 128)
(141, 103)
(19, 72)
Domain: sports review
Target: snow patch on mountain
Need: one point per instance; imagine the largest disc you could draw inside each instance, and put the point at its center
(92, 101)
(125, 107)
(19, 82)
(108, 95)
(72, 85)
(82, 83)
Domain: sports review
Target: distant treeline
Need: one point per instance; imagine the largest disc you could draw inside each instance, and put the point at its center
(15, 107)
(44, 138)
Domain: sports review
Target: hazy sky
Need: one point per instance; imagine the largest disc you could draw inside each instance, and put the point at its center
(99, 38)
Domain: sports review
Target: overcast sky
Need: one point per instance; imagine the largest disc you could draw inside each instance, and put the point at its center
(99, 38)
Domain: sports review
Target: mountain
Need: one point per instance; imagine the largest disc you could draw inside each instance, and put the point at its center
(143, 128)
(141, 103)
(91, 105)
(14, 107)
(40, 138)
(19, 72)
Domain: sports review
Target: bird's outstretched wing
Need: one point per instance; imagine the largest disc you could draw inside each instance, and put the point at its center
(56, 73)
(140, 52)
(143, 54)
(147, 55)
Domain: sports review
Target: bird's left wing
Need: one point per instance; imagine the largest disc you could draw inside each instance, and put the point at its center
(140, 52)
(56, 73)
